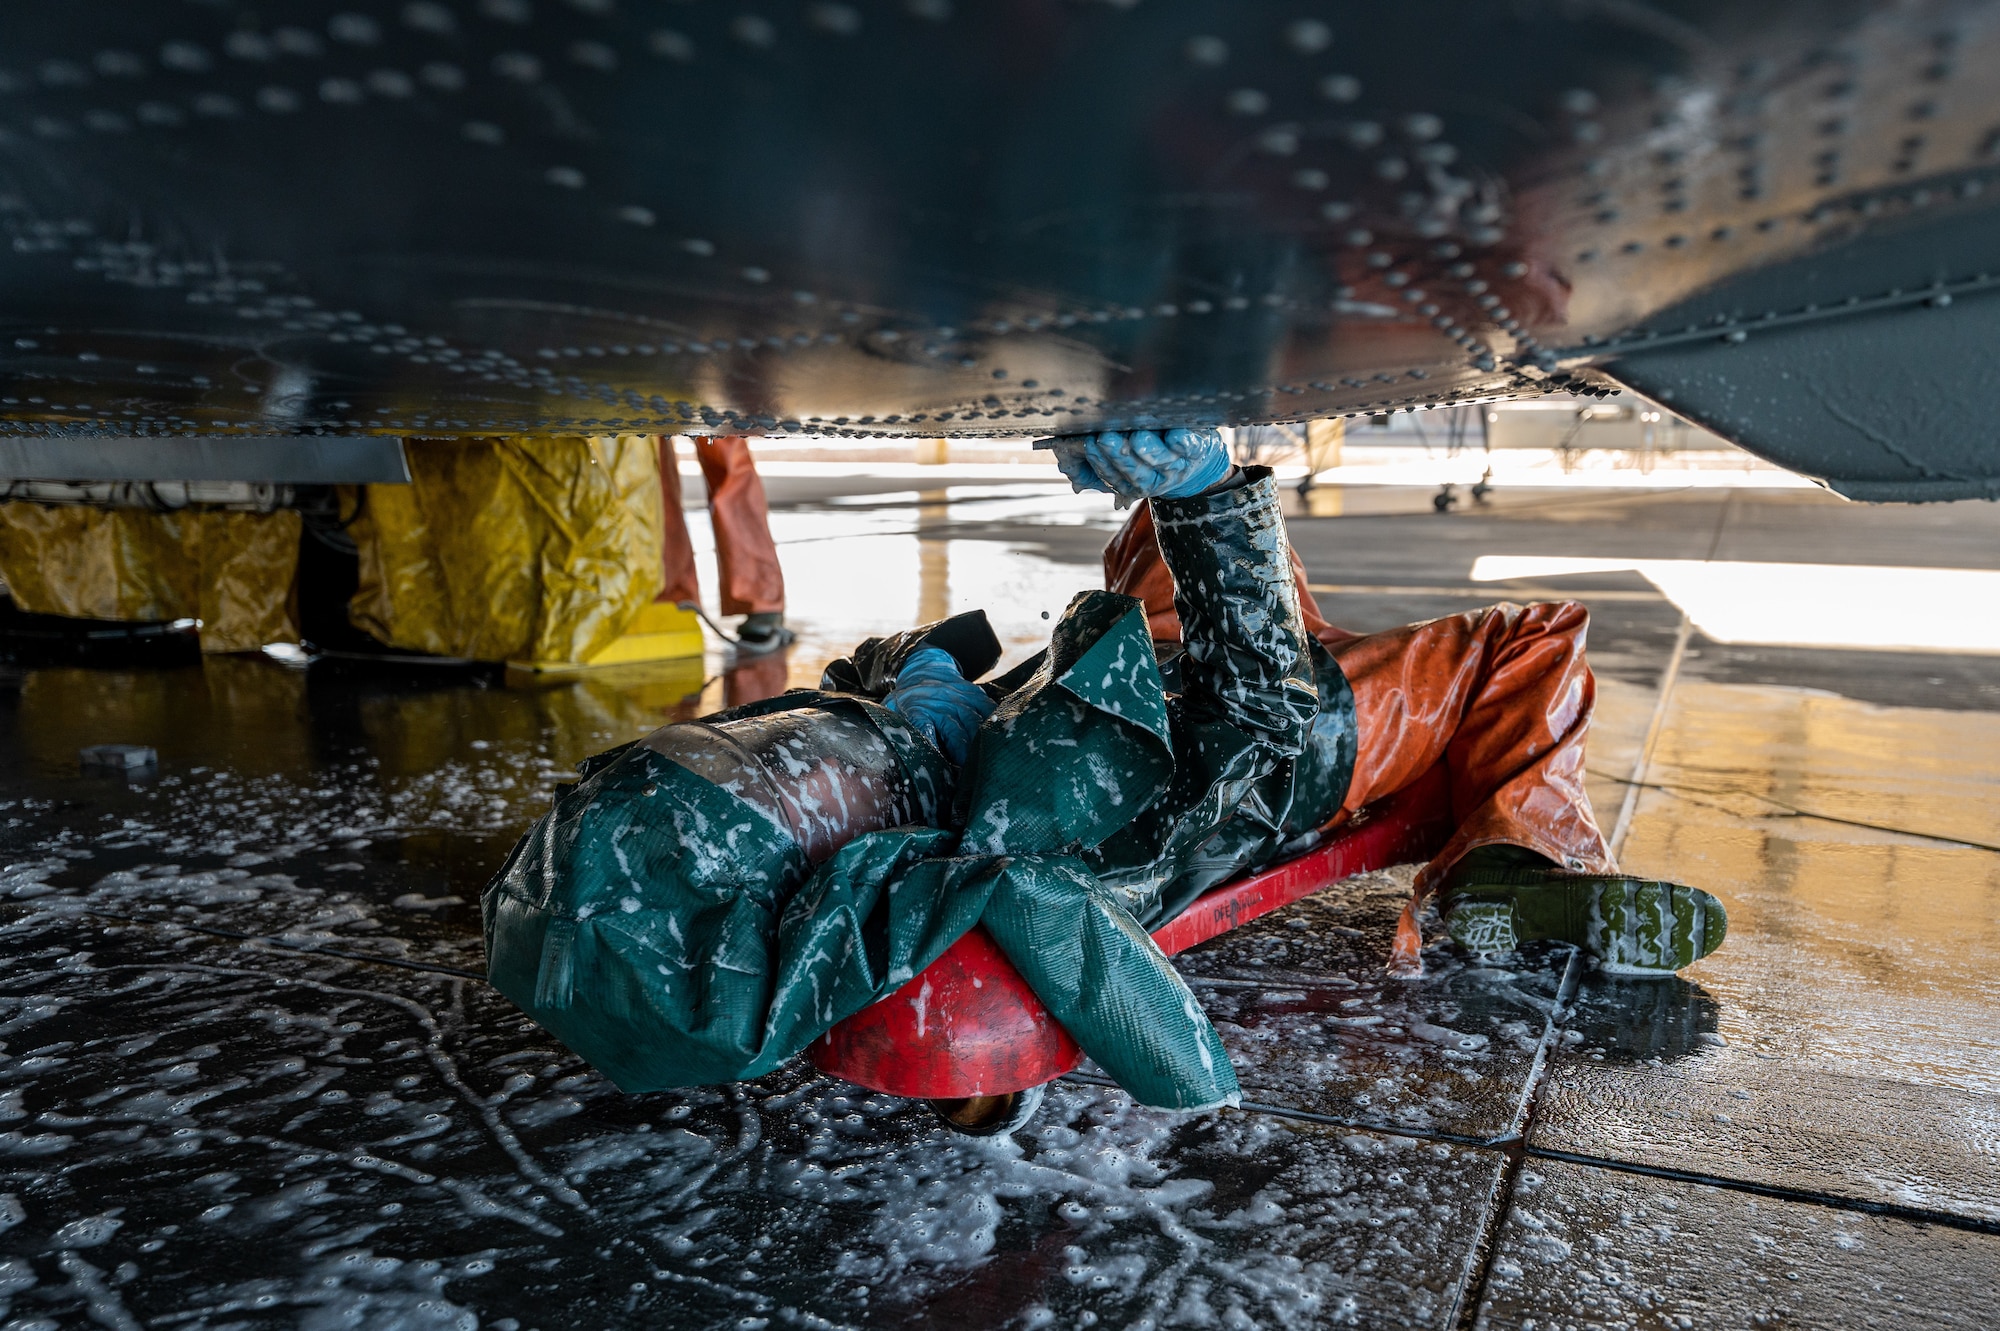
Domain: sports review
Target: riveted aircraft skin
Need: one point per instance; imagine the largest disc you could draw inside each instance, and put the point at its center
(939, 218)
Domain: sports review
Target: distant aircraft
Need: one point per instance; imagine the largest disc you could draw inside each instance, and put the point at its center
(1009, 217)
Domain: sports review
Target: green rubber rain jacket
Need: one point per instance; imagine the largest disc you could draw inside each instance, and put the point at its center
(674, 935)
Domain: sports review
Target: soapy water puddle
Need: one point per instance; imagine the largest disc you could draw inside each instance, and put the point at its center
(204, 1132)
(199, 1133)
(1300, 997)
(1314, 1023)
(391, 867)
(387, 1147)
(1592, 1247)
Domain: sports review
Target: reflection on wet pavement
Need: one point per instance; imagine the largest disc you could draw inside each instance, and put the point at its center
(249, 1076)
(1314, 1023)
(1586, 1247)
(1851, 1047)
(866, 564)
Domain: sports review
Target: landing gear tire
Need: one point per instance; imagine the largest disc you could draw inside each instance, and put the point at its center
(989, 1115)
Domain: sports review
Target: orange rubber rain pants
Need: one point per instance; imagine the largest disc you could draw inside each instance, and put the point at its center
(1502, 696)
(746, 558)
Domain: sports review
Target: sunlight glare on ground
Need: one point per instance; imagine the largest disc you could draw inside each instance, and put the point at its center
(1860, 606)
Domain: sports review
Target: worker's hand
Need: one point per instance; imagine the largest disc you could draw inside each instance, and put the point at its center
(932, 696)
(1143, 464)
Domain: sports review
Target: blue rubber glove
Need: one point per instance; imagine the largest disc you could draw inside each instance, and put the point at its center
(932, 696)
(1143, 464)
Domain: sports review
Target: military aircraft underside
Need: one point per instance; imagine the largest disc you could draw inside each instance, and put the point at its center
(943, 218)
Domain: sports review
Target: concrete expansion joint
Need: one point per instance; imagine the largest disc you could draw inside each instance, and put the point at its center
(1834, 1201)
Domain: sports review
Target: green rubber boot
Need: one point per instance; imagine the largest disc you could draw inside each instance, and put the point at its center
(1499, 897)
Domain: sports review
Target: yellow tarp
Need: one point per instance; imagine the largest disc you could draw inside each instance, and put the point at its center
(540, 550)
(231, 571)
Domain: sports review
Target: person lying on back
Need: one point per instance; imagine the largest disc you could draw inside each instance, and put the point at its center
(708, 900)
